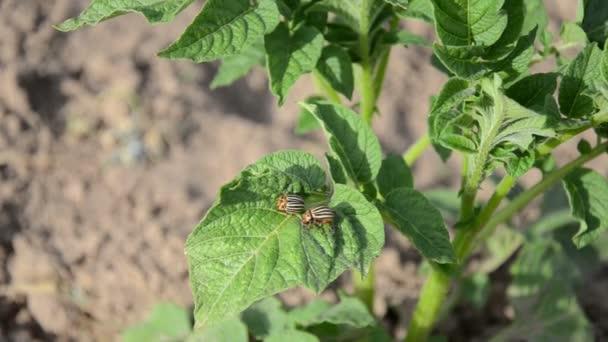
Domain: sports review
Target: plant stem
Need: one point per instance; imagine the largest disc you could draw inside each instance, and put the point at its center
(527, 196)
(324, 88)
(364, 287)
(465, 237)
(381, 72)
(431, 298)
(412, 153)
(467, 200)
(366, 86)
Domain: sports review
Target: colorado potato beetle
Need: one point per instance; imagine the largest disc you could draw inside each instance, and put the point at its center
(290, 204)
(319, 215)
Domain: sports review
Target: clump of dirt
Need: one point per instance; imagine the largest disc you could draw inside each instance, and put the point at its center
(109, 156)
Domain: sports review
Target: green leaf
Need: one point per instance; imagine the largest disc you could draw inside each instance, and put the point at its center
(453, 94)
(224, 29)
(307, 315)
(155, 11)
(470, 62)
(572, 34)
(231, 330)
(405, 38)
(244, 249)
(348, 12)
(394, 173)
(459, 143)
(336, 67)
(595, 20)
(515, 11)
(531, 91)
(588, 196)
(545, 309)
(419, 9)
(166, 321)
(350, 311)
(265, 318)
(237, 66)
(421, 222)
(336, 170)
(292, 336)
(306, 120)
(517, 163)
(583, 146)
(291, 55)
(350, 139)
(506, 121)
(469, 22)
(578, 78)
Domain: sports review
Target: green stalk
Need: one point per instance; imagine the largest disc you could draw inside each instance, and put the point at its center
(464, 237)
(366, 85)
(381, 72)
(412, 153)
(432, 296)
(527, 196)
(324, 88)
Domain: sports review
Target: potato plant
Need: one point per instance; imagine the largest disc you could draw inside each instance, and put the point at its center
(494, 112)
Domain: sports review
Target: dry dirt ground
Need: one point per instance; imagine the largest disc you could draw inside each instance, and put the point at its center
(109, 156)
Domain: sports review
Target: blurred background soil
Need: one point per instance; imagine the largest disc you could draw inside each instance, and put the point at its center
(109, 156)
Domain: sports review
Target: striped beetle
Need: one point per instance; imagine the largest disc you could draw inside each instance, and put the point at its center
(319, 215)
(290, 204)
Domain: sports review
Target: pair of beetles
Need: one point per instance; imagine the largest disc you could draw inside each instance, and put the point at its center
(294, 204)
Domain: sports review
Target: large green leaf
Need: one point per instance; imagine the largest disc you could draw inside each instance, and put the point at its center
(224, 28)
(291, 55)
(578, 79)
(244, 249)
(421, 222)
(336, 67)
(595, 20)
(156, 11)
(469, 22)
(394, 173)
(166, 321)
(588, 196)
(237, 66)
(350, 139)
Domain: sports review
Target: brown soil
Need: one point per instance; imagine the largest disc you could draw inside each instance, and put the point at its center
(109, 156)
